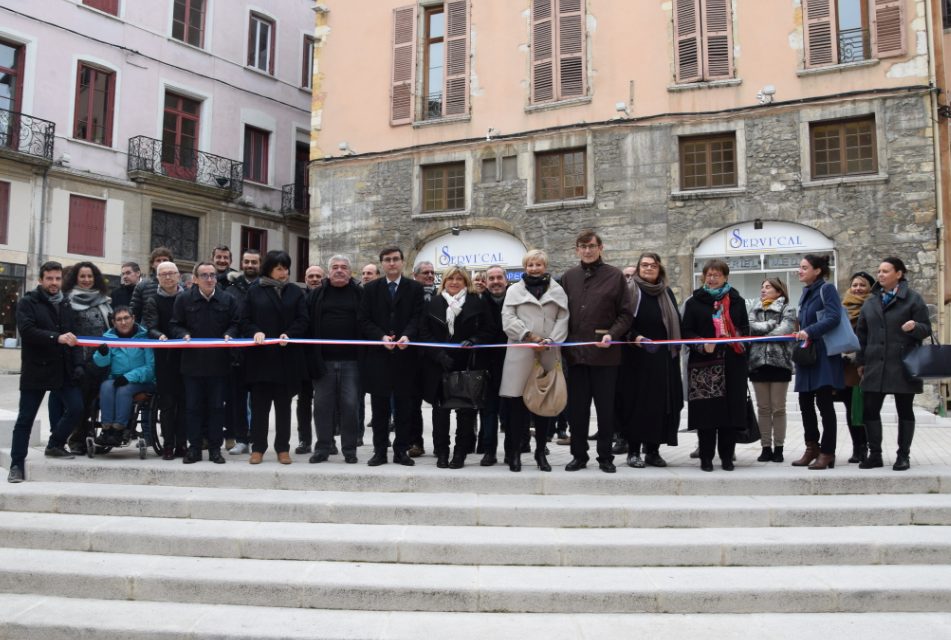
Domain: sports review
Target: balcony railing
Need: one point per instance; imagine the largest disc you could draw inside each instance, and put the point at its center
(27, 134)
(854, 45)
(295, 197)
(148, 155)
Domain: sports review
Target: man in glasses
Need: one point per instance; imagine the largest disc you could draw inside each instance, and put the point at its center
(425, 274)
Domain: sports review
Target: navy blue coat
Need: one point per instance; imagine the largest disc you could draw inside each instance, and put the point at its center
(828, 370)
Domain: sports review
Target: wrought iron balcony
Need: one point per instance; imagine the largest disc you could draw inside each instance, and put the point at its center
(27, 134)
(854, 45)
(295, 197)
(151, 156)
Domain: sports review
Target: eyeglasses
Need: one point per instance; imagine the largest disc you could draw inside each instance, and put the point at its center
(588, 247)
(207, 276)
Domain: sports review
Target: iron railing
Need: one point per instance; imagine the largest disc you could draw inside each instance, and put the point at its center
(295, 197)
(854, 45)
(186, 163)
(27, 134)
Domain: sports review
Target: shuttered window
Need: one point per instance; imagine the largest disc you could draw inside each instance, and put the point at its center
(95, 97)
(444, 187)
(4, 211)
(843, 148)
(558, 50)
(844, 31)
(87, 225)
(708, 162)
(256, 142)
(106, 6)
(703, 40)
(560, 175)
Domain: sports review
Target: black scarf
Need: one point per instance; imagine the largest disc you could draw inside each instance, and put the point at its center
(537, 285)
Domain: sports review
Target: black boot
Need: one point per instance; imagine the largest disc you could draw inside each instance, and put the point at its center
(873, 432)
(859, 444)
(515, 462)
(859, 453)
(541, 460)
(906, 432)
(777, 454)
(766, 455)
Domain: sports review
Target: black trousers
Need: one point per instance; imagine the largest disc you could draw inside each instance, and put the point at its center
(904, 406)
(305, 414)
(719, 439)
(465, 431)
(172, 412)
(380, 407)
(824, 399)
(520, 420)
(591, 383)
(263, 394)
(416, 424)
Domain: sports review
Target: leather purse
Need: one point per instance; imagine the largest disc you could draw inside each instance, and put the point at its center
(751, 433)
(546, 392)
(467, 389)
(928, 361)
(804, 353)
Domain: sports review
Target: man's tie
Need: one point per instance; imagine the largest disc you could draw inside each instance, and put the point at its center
(392, 287)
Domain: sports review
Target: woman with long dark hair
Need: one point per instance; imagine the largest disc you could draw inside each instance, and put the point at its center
(860, 285)
(893, 320)
(817, 383)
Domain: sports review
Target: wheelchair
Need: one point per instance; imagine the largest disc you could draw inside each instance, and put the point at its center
(141, 428)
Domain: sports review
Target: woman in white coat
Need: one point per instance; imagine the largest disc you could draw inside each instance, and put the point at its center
(535, 311)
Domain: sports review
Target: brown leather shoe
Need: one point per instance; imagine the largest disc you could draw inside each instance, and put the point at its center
(808, 456)
(284, 457)
(824, 461)
(256, 457)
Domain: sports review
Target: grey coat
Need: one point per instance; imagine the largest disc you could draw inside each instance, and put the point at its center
(778, 320)
(882, 343)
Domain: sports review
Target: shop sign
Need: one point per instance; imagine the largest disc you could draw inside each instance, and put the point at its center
(473, 249)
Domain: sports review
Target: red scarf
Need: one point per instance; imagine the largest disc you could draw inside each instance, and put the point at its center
(729, 329)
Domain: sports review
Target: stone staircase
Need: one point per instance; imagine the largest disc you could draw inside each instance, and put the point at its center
(115, 547)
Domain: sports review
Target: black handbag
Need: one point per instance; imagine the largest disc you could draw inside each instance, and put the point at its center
(804, 353)
(750, 434)
(466, 389)
(928, 361)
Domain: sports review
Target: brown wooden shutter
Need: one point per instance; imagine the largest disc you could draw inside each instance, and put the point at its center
(457, 58)
(687, 40)
(543, 46)
(888, 28)
(87, 222)
(571, 58)
(821, 33)
(404, 65)
(717, 21)
(4, 211)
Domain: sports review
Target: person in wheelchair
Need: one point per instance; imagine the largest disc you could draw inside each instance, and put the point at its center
(131, 370)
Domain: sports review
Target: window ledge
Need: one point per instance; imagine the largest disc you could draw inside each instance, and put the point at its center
(437, 215)
(560, 204)
(99, 11)
(711, 84)
(700, 194)
(834, 68)
(189, 46)
(832, 182)
(447, 120)
(259, 72)
(93, 145)
(557, 104)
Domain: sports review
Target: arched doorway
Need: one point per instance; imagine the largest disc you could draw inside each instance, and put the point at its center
(474, 249)
(762, 249)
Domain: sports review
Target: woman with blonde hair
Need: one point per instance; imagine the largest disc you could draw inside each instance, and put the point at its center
(455, 314)
(535, 311)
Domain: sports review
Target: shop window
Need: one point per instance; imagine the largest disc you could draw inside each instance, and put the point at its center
(703, 40)
(252, 238)
(106, 6)
(444, 187)
(4, 211)
(87, 226)
(844, 31)
(560, 175)
(708, 162)
(256, 142)
(843, 148)
(188, 21)
(95, 99)
(177, 232)
(261, 43)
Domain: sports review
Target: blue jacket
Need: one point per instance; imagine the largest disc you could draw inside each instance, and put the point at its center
(828, 370)
(135, 363)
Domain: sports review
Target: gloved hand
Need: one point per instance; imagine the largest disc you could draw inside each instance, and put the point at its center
(446, 361)
(649, 345)
(120, 381)
(103, 349)
(466, 343)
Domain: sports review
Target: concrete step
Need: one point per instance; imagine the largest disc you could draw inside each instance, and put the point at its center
(54, 618)
(479, 545)
(472, 509)
(512, 589)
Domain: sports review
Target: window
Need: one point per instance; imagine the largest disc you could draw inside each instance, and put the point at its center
(445, 66)
(87, 224)
(307, 63)
(444, 187)
(488, 170)
(177, 232)
(180, 122)
(558, 50)
(106, 6)
(95, 96)
(252, 238)
(560, 175)
(4, 211)
(843, 31)
(303, 257)
(255, 154)
(188, 21)
(510, 168)
(261, 43)
(11, 90)
(843, 148)
(946, 13)
(703, 34)
(708, 162)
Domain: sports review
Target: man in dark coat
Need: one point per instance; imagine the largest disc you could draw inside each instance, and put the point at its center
(221, 258)
(146, 287)
(425, 274)
(390, 312)
(237, 427)
(600, 310)
(313, 280)
(496, 284)
(50, 362)
(205, 311)
(122, 295)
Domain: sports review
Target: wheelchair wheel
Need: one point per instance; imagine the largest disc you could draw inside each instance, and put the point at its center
(154, 426)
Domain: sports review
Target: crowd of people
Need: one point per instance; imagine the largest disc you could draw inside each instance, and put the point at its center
(220, 399)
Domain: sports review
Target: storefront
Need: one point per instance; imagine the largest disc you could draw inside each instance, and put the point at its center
(12, 283)
(474, 250)
(763, 249)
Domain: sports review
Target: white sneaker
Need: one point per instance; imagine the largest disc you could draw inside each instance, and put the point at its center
(239, 449)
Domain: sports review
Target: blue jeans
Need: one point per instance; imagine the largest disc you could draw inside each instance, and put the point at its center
(205, 410)
(115, 403)
(70, 398)
(337, 392)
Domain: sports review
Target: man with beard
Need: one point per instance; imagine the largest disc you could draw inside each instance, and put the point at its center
(238, 427)
(496, 284)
